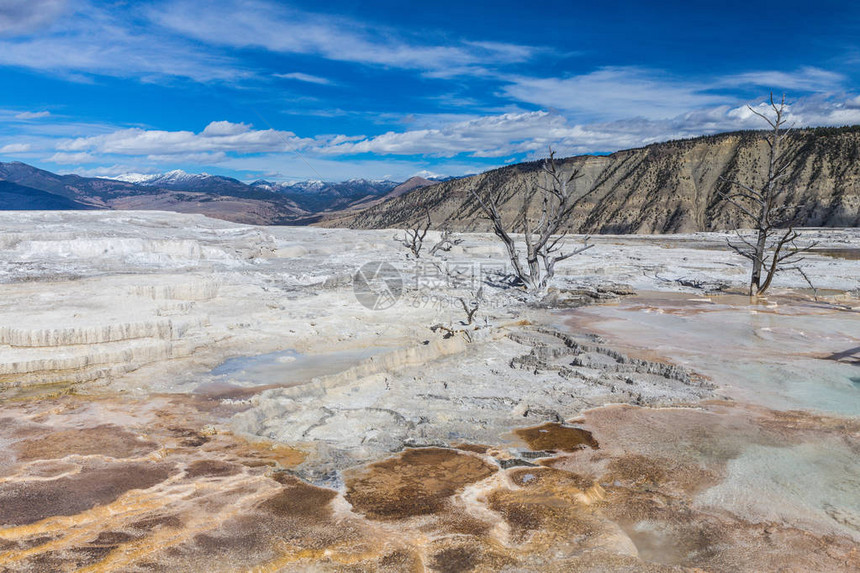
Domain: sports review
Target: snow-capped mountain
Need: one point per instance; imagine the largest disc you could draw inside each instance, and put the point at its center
(317, 186)
(179, 180)
(315, 195)
(309, 186)
(177, 176)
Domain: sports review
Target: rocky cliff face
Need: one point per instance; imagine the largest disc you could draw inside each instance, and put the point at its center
(669, 187)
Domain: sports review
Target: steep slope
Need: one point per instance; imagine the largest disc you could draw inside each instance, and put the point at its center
(663, 188)
(14, 197)
(90, 191)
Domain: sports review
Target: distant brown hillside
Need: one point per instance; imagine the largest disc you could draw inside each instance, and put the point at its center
(663, 188)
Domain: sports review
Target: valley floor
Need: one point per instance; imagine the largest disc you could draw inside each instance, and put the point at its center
(184, 394)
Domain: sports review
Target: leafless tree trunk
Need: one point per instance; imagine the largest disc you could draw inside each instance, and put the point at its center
(774, 249)
(472, 306)
(446, 242)
(543, 242)
(413, 239)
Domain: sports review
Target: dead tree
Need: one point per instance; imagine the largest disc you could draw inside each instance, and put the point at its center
(446, 243)
(774, 249)
(413, 239)
(544, 238)
(472, 306)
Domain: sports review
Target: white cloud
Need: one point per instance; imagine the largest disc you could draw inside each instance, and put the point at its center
(307, 78)
(51, 129)
(112, 170)
(32, 115)
(218, 136)
(195, 158)
(533, 132)
(15, 148)
(224, 128)
(164, 40)
(806, 79)
(25, 16)
(277, 28)
(427, 174)
(613, 93)
(101, 54)
(489, 136)
(72, 158)
(102, 39)
(810, 112)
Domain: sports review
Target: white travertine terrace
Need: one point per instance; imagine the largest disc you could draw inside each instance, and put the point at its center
(94, 294)
(231, 389)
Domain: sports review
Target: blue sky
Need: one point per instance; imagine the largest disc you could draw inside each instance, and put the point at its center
(337, 89)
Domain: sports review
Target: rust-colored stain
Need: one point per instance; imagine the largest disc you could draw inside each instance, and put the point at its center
(31, 501)
(540, 477)
(300, 499)
(417, 482)
(85, 496)
(455, 560)
(211, 468)
(476, 448)
(105, 440)
(548, 503)
(556, 438)
(270, 453)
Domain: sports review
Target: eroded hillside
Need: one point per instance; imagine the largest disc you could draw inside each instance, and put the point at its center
(670, 187)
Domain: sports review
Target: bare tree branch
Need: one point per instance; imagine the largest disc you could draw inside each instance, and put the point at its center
(446, 242)
(763, 206)
(544, 236)
(413, 239)
(473, 305)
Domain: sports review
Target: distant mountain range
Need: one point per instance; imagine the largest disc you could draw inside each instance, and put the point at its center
(261, 202)
(318, 196)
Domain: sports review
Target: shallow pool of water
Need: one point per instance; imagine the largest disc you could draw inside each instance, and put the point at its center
(784, 355)
(280, 369)
(808, 484)
(769, 465)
